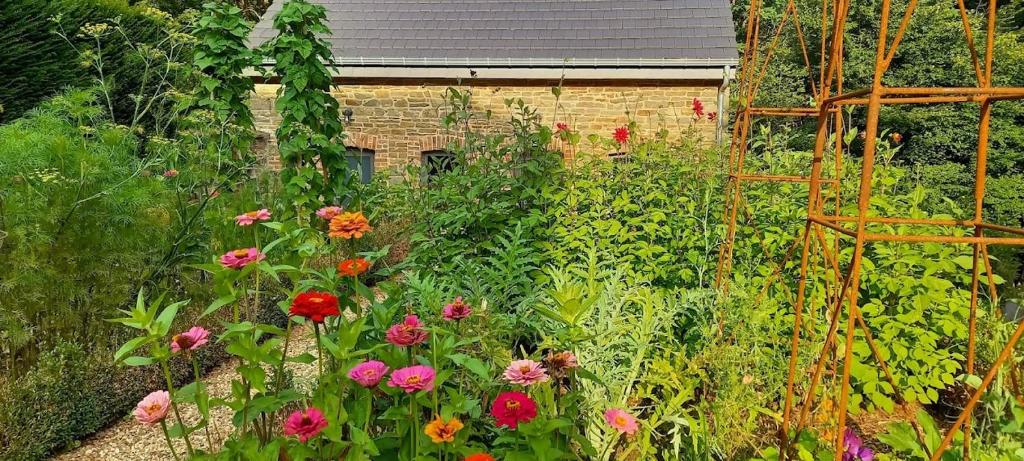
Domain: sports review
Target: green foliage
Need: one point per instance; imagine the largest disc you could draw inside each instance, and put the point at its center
(310, 135)
(478, 224)
(654, 215)
(35, 63)
(82, 216)
(222, 56)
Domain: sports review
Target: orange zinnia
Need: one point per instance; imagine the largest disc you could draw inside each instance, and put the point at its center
(353, 267)
(349, 225)
(442, 432)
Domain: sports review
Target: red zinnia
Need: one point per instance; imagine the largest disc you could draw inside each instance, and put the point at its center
(621, 134)
(512, 408)
(698, 108)
(353, 267)
(480, 457)
(315, 305)
(561, 126)
(712, 116)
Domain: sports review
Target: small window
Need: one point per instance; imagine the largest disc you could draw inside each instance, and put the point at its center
(437, 162)
(360, 161)
(619, 157)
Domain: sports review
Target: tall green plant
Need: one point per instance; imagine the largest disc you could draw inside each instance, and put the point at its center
(310, 135)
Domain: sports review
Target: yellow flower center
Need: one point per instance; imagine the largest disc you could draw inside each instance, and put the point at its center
(414, 379)
(241, 253)
(511, 405)
(620, 420)
(316, 300)
(252, 214)
(524, 369)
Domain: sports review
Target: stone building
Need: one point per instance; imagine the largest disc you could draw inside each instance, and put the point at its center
(616, 60)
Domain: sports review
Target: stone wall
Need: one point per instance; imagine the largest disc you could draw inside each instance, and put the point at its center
(400, 121)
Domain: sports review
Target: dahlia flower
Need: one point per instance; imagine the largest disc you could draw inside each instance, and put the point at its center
(621, 135)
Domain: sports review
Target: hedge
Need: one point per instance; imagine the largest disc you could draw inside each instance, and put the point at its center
(35, 63)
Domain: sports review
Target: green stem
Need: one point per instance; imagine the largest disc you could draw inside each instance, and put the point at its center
(415, 425)
(319, 352)
(206, 398)
(167, 437)
(174, 406)
(369, 410)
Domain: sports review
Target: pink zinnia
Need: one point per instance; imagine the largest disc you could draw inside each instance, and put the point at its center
(238, 259)
(328, 212)
(525, 372)
(247, 219)
(153, 408)
(621, 134)
(368, 373)
(170, 173)
(412, 379)
(457, 310)
(698, 108)
(190, 340)
(305, 424)
(408, 333)
(621, 421)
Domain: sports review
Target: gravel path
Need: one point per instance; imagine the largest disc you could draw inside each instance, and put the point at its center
(128, 440)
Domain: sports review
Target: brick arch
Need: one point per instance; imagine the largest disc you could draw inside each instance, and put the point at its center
(436, 142)
(361, 140)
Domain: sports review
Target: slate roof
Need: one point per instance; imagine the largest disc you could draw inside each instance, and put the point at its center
(526, 33)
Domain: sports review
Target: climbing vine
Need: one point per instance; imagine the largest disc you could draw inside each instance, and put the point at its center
(310, 135)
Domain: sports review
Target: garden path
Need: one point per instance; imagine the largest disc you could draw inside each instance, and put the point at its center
(128, 440)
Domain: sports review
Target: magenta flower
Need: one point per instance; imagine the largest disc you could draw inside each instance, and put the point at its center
(247, 219)
(305, 424)
(621, 421)
(238, 259)
(408, 333)
(525, 372)
(369, 373)
(190, 340)
(153, 408)
(328, 212)
(854, 449)
(457, 310)
(412, 379)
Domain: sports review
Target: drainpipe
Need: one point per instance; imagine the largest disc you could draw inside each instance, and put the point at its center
(723, 112)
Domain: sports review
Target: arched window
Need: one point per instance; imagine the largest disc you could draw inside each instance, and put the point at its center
(437, 162)
(360, 161)
(619, 157)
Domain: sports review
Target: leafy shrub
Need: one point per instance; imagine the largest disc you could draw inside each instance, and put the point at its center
(82, 216)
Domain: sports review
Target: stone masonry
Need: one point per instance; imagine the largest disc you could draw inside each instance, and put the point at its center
(399, 122)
